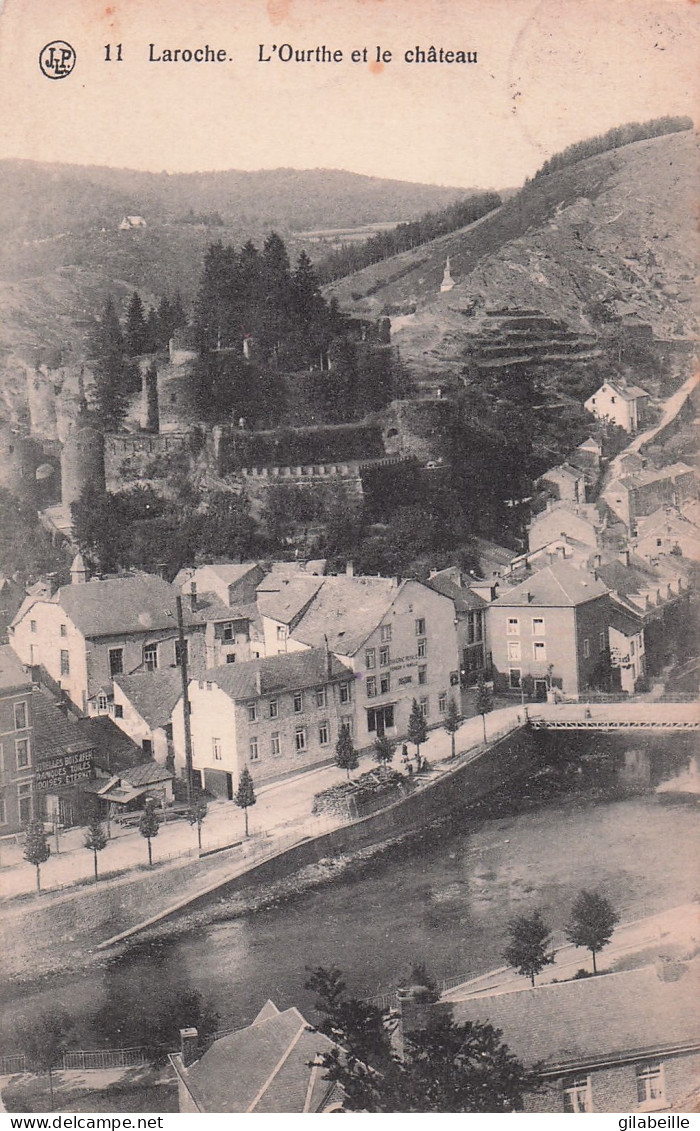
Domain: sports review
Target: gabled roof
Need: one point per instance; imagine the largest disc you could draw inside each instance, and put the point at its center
(12, 671)
(563, 471)
(554, 586)
(153, 695)
(464, 598)
(345, 612)
(290, 598)
(138, 603)
(629, 393)
(594, 1020)
(55, 731)
(146, 773)
(287, 672)
(268, 1067)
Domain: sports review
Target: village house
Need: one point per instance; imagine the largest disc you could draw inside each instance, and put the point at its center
(143, 706)
(667, 531)
(549, 631)
(399, 638)
(627, 649)
(564, 482)
(625, 407)
(282, 601)
(627, 1041)
(273, 1066)
(278, 716)
(562, 518)
(130, 223)
(645, 491)
(88, 632)
(17, 758)
(470, 607)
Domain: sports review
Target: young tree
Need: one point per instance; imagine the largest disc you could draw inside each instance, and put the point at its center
(452, 721)
(196, 817)
(245, 794)
(445, 1067)
(36, 847)
(484, 701)
(149, 825)
(43, 1041)
(528, 950)
(417, 729)
(345, 753)
(95, 839)
(593, 920)
(383, 751)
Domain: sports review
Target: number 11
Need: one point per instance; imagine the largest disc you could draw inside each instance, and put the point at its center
(108, 53)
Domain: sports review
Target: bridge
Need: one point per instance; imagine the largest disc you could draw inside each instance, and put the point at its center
(634, 715)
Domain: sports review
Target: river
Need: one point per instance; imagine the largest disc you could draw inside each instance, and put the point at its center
(444, 898)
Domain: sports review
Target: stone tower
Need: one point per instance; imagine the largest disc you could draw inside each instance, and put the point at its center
(82, 463)
(447, 280)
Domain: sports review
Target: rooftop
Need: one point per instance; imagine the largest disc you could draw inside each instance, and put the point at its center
(346, 610)
(138, 603)
(153, 695)
(554, 586)
(12, 672)
(593, 1020)
(286, 672)
(289, 599)
(464, 598)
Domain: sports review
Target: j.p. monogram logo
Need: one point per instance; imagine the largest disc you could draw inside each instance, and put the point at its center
(57, 59)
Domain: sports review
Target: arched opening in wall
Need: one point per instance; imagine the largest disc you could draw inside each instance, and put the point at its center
(392, 433)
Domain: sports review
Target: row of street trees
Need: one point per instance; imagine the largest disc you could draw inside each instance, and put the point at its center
(593, 920)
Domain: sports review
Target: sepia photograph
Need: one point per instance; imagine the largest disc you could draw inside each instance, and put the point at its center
(349, 559)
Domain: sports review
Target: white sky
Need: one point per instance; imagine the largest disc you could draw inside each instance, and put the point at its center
(549, 72)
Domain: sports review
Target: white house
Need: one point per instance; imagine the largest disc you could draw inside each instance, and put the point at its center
(623, 406)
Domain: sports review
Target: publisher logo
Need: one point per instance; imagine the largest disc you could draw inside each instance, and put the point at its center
(57, 59)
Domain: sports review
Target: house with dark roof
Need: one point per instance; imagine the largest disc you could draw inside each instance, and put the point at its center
(564, 482)
(470, 610)
(131, 788)
(227, 591)
(623, 405)
(626, 1041)
(143, 707)
(87, 633)
(278, 716)
(17, 753)
(272, 1066)
(640, 493)
(549, 631)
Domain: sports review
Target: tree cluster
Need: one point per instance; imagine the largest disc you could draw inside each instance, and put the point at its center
(529, 950)
(353, 257)
(613, 139)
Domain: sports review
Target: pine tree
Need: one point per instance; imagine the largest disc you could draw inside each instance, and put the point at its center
(383, 751)
(149, 825)
(95, 839)
(345, 753)
(136, 329)
(113, 377)
(36, 847)
(452, 721)
(417, 728)
(484, 701)
(245, 794)
(529, 948)
(593, 920)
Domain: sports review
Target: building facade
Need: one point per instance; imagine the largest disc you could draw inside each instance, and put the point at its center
(17, 754)
(624, 407)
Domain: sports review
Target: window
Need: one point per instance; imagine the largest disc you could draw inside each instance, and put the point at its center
(423, 674)
(274, 709)
(386, 633)
(150, 657)
(442, 702)
(3, 812)
(23, 753)
(216, 749)
(118, 711)
(298, 702)
(20, 716)
(513, 626)
(65, 662)
(380, 719)
(650, 1085)
(102, 704)
(513, 649)
(514, 679)
(281, 632)
(347, 721)
(538, 626)
(420, 626)
(275, 744)
(321, 697)
(116, 661)
(631, 647)
(230, 657)
(345, 693)
(475, 627)
(324, 734)
(32, 626)
(253, 750)
(602, 642)
(422, 648)
(539, 651)
(370, 658)
(183, 649)
(423, 704)
(586, 647)
(24, 802)
(577, 1094)
(227, 632)
(385, 684)
(383, 657)
(371, 687)
(300, 739)
(64, 630)
(252, 712)
(612, 400)
(147, 747)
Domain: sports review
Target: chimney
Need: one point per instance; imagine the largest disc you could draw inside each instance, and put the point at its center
(625, 556)
(78, 571)
(258, 681)
(329, 658)
(597, 561)
(189, 1046)
(349, 570)
(193, 596)
(530, 597)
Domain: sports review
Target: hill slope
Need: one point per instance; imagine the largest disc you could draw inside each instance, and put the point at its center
(614, 235)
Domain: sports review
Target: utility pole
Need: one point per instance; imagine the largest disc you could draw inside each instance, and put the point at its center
(185, 700)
